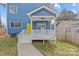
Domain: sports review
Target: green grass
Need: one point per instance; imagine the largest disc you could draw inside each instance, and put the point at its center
(8, 47)
(58, 48)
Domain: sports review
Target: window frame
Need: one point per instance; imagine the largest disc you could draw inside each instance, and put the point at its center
(41, 24)
(14, 25)
(52, 26)
(11, 10)
(11, 24)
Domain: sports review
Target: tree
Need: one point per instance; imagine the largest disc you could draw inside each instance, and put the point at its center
(0, 20)
(66, 15)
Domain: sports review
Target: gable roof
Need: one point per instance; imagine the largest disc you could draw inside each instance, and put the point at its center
(40, 8)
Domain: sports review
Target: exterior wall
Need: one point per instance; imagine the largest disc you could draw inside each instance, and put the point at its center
(42, 13)
(21, 15)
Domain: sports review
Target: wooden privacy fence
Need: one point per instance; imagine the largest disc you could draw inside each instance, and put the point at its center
(2, 33)
(68, 31)
(70, 35)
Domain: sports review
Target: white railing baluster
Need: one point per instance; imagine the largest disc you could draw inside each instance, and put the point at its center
(39, 34)
(43, 34)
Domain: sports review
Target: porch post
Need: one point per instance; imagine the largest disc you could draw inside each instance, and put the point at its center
(31, 28)
(43, 42)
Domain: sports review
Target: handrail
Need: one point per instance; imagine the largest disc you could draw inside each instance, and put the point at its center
(21, 33)
(24, 31)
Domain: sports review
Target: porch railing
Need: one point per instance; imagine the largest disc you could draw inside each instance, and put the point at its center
(39, 34)
(21, 34)
(43, 34)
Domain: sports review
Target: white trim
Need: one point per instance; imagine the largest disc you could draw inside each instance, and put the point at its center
(31, 30)
(42, 16)
(14, 23)
(48, 9)
(6, 20)
(46, 29)
(47, 18)
(10, 9)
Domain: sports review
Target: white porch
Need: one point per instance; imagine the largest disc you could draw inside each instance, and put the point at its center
(43, 35)
(24, 37)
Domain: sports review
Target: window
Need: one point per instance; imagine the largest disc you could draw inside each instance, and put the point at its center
(52, 26)
(41, 25)
(13, 9)
(12, 24)
(15, 24)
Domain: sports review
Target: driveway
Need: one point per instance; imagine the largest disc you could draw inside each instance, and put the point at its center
(26, 49)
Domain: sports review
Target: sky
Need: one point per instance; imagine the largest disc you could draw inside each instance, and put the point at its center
(3, 15)
(57, 7)
(69, 6)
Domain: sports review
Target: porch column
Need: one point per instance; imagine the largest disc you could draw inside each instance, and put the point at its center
(43, 42)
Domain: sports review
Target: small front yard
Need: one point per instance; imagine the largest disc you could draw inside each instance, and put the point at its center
(57, 48)
(8, 47)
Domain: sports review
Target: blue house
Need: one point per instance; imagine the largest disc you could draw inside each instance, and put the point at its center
(30, 21)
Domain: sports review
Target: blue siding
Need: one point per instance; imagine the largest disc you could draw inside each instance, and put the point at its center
(42, 13)
(34, 25)
(21, 15)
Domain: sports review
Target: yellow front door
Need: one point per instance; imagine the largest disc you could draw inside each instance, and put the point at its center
(29, 28)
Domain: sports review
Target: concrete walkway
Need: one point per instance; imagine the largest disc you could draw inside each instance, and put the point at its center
(26, 49)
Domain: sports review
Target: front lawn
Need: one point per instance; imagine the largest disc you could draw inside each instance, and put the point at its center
(57, 48)
(8, 47)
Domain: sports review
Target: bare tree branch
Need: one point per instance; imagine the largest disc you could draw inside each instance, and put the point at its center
(66, 15)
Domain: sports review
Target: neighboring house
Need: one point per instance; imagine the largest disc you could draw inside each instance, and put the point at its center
(30, 21)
